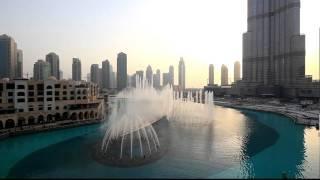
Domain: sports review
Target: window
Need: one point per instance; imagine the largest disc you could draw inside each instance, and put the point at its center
(57, 86)
(64, 92)
(57, 98)
(10, 85)
(1, 87)
(49, 99)
(10, 93)
(72, 92)
(40, 87)
(64, 98)
(30, 99)
(49, 87)
(57, 93)
(72, 98)
(30, 93)
(20, 86)
(49, 92)
(65, 107)
(64, 86)
(40, 108)
(40, 99)
(31, 87)
(10, 100)
(49, 108)
(30, 109)
(20, 93)
(40, 93)
(0, 100)
(57, 107)
(20, 110)
(21, 100)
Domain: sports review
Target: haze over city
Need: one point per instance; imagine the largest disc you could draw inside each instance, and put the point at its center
(149, 32)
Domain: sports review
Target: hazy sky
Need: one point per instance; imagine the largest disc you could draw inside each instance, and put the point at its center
(155, 32)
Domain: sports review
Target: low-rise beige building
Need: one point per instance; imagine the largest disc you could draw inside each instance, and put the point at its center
(26, 102)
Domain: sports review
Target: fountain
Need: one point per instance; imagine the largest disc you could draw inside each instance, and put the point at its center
(136, 130)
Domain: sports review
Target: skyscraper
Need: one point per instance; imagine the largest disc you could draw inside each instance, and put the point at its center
(106, 74)
(224, 75)
(53, 59)
(273, 49)
(8, 57)
(94, 73)
(165, 79)
(157, 79)
(76, 69)
(113, 82)
(236, 71)
(19, 64)
(41, 70)
(182, 74)
(171, 75)
(211, 74)
(121, 71)
(149, 75)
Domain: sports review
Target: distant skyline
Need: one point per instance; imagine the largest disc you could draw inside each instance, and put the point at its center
(155, 32)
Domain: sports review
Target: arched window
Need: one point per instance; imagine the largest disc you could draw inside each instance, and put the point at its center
(65, 116)
(84, 92)
(49, 87)
(81, 115)
(21, 121)
(49, 118)
(31, 120)
(58, 117)
(40, 119)
(73, 116)
(86, 115)
(10, 124)
(91, 114)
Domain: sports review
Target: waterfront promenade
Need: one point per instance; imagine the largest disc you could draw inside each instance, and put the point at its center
(304, 116)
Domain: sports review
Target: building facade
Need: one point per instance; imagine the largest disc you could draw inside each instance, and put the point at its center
(121, 71)
(29, 102)
(41, 70)
(211, 74)
(19, 72)
(94, 73)
(224, 75)
(273, 50)
(8, 57)
(182, 74)
(149, 75)
(53, 59)
(171, 75)
(236, 72)
(76, 69)
(157, 79)
(106, 74)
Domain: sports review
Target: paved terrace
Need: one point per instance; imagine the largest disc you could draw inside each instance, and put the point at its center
(305, 116)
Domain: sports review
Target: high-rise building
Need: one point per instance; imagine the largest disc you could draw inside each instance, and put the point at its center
(165, 79)
(76, 69)
(8, 57)
(171, 75)
(61, 74)
(236, 71)
(19, 64)
(211, 74)
(157, 79)
(113, 81)
(94, 73)
(121, 71)
(88, 77)
(149, 75)
(41, 70)
(100, 78)
(182, 74)
(53, 59)
(273, 48)
(224, 75)
(106, 74)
